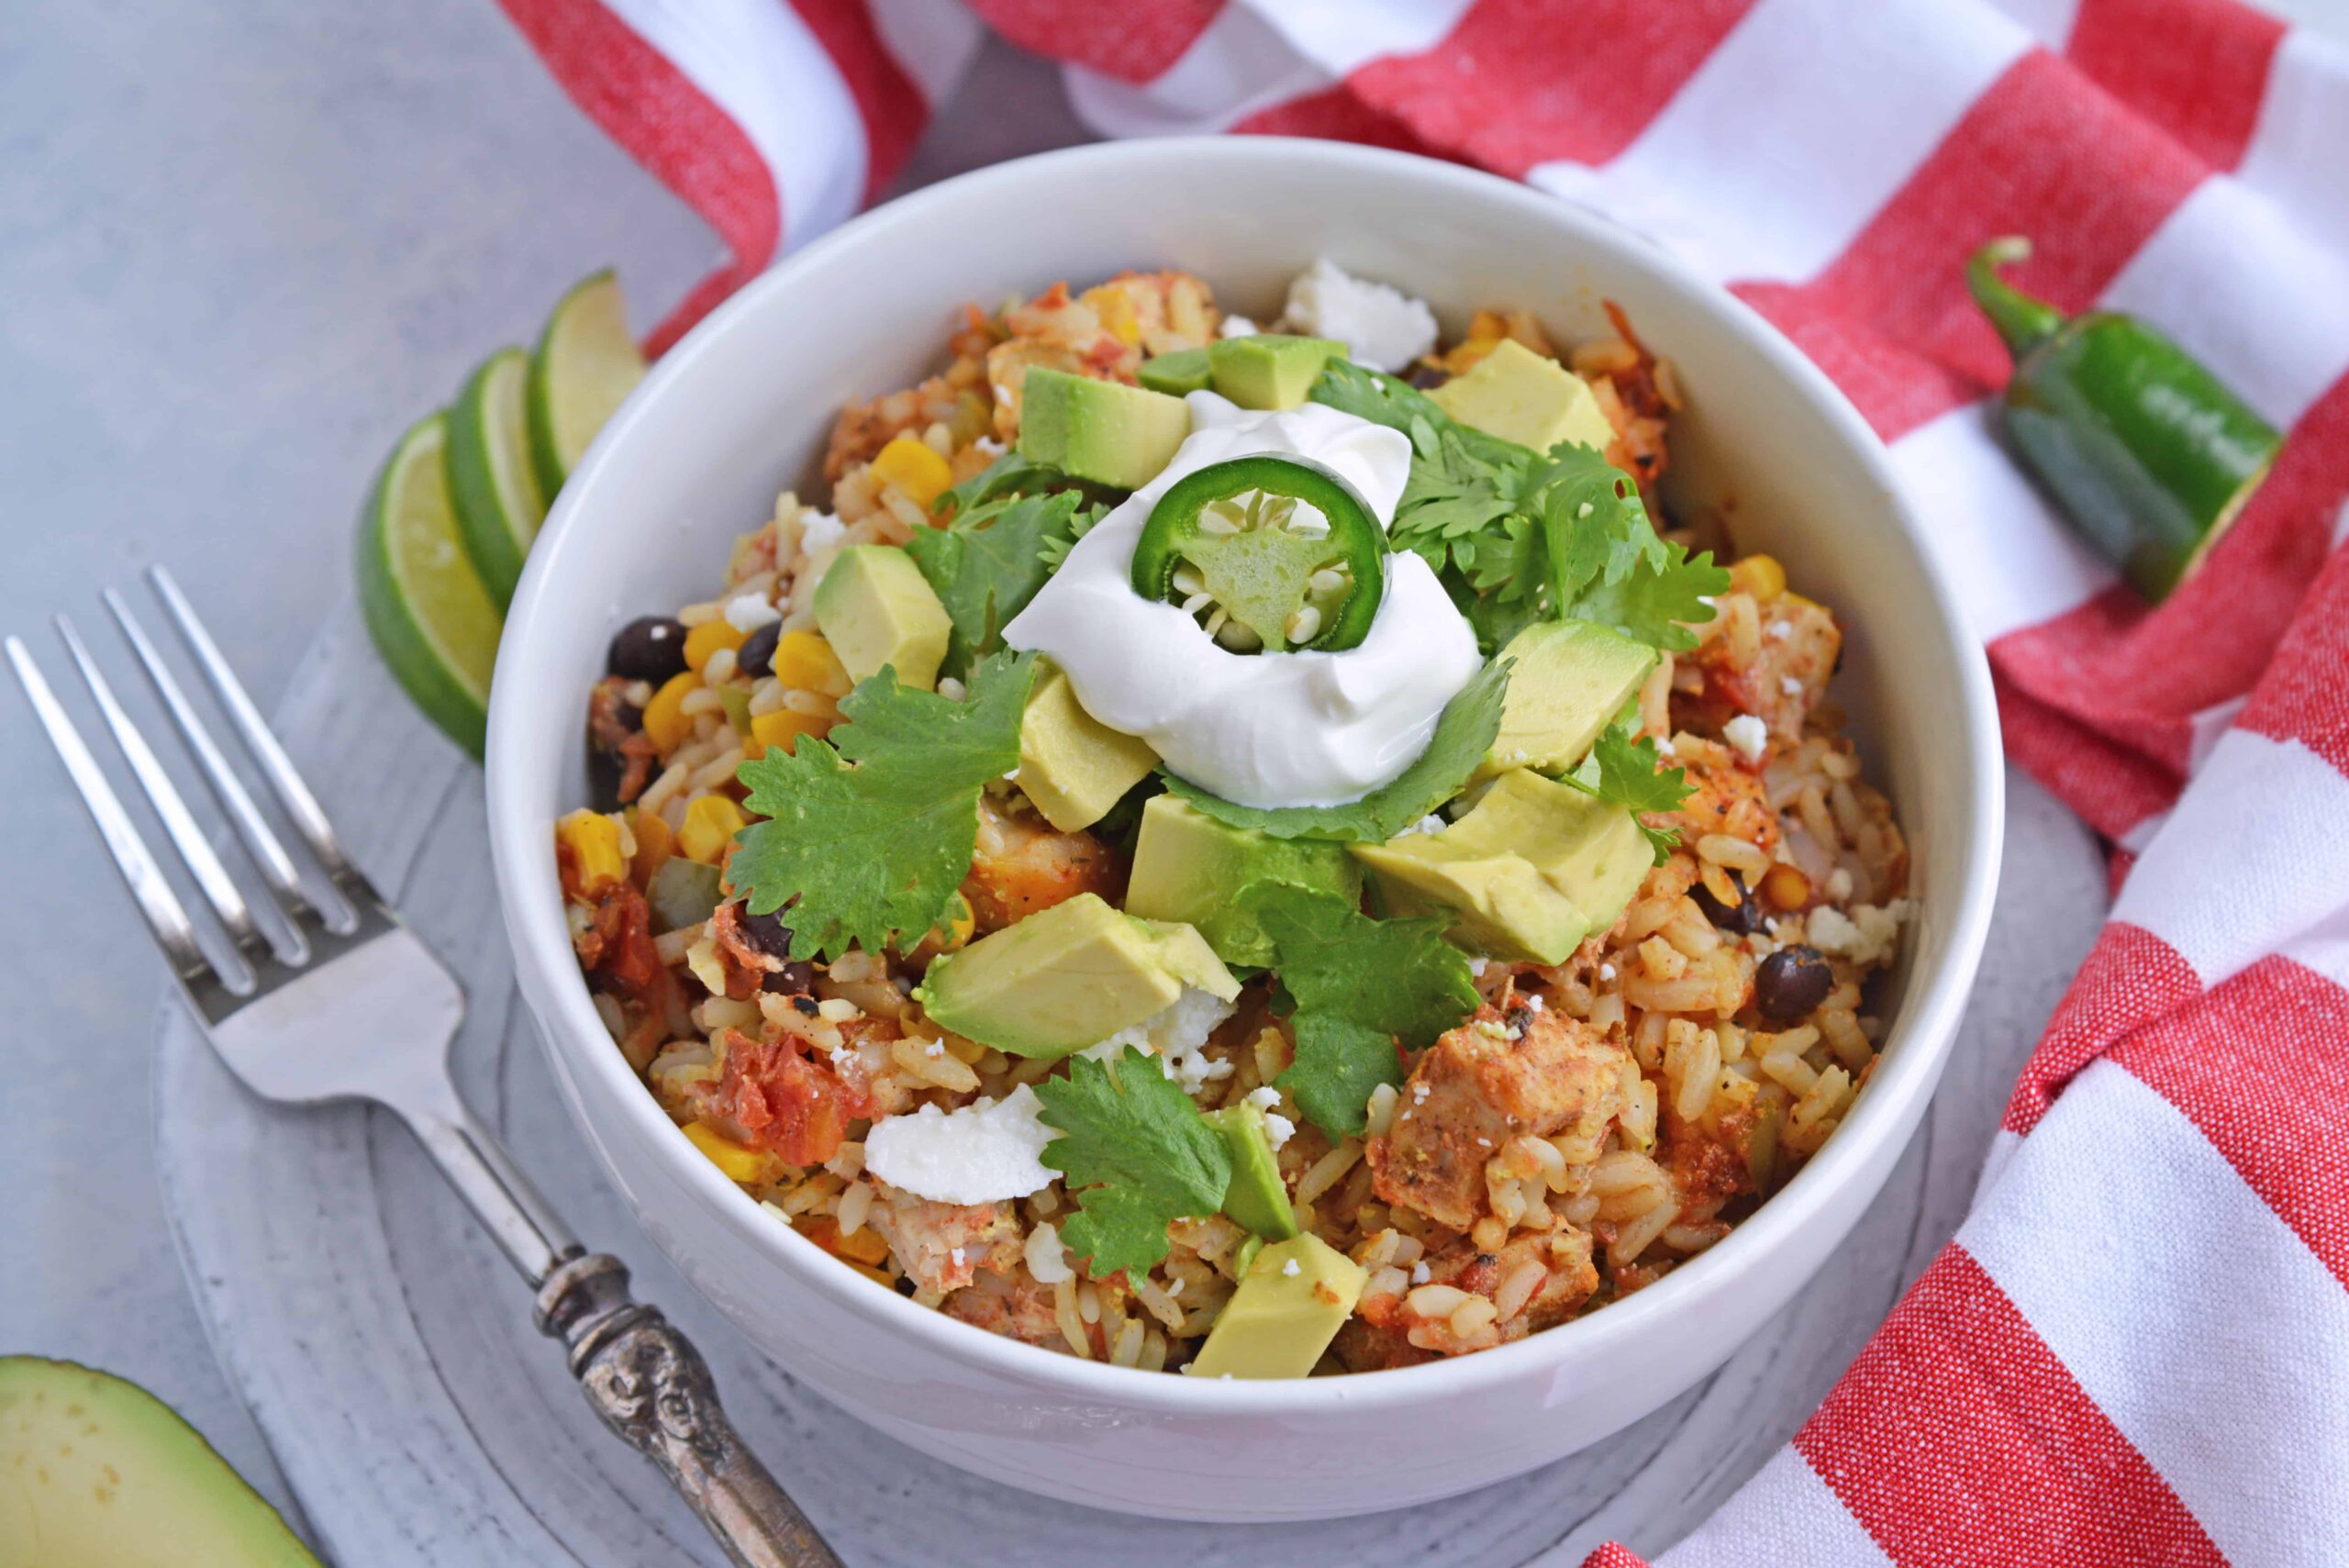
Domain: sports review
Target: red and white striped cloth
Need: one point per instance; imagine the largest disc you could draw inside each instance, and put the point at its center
(2136, 1350)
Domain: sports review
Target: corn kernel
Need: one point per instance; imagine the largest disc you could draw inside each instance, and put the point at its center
(914, 468)
(1760, 575)
(1116, 309)
(711, 822)
(804, 661)
(1785, 886)
(654, 843)
(596, 859)
(740, 1162)
(665, 721)
(864, 1247)
(709, 636)
(782, 727)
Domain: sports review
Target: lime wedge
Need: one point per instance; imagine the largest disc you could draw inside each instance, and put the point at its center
(431, 619)
(491, 480)
(586, 365)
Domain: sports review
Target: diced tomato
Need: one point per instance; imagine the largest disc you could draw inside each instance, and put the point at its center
(783, 1100)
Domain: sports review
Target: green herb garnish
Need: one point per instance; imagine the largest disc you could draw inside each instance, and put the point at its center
(989, 560)
(1629, 772)
(868, 836)
(1137, 1154)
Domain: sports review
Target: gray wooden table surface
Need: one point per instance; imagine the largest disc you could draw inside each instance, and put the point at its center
(241, 247)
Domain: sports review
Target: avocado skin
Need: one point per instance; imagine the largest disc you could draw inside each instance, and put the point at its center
(107, 1476)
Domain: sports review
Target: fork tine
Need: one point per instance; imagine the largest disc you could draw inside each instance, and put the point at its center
(284, 782)
(276, 865)
(165, 916)
(220, 888)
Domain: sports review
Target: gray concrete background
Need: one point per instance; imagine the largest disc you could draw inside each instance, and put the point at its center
(241, 247)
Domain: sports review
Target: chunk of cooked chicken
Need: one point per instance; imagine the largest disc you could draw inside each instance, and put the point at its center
(1723, 797)
(943, 1246)
(1014, 1305)
(1780, 683)
(1021, 865)
(1494, 1078)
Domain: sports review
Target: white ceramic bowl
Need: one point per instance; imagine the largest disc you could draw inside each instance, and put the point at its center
(741, 407)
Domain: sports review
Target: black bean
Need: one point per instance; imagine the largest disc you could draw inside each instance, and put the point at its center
(756, 656)
(1518, 1020)
(767, 933)
(1427, 376)
(806, 1005)
(650, 647)
(791, 980)
(1790, 983)
(1743, 917)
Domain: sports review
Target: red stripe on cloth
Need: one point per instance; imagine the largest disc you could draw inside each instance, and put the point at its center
(2117, 867)
(2107, 785)
(1958, 1437)
(2131, 977)
(2278, 1126)
(2133, 676)
(2042, 153)
(1337, 114)
(891, 106)
(684, 141)
(1132, 40)
(1523, 82)
(2304, 696)
(2196, 69)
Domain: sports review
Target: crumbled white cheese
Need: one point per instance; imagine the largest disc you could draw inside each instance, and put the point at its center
(1177, 1037)
(748, 612)
(1789, 685)
(1867, 936)
(1264, 1097)
(955, 1253)
(1664, 748)
(985, 1151)
(1431, 823)
(1290, 1269)
(1839, 884)
(1381, 327)
(1046, 1258)
(1278, 1129)
(1533, 1002)
(1781, 630)
(988, 445)
(1420, 1272)
(1236, 326)
(1476, 967)
(820, 531)
(1747, 735)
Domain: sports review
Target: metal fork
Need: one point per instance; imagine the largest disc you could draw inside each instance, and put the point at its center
(336, 1000)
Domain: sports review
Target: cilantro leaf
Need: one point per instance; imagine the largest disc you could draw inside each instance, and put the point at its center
(1463, 734)
(1137, 1154)
(875, 850)
(1605, 561)
(989, 560)
(1624, 771)
(1360, 986)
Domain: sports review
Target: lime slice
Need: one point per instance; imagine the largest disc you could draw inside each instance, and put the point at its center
(431, 619)
(586, 365)
(491, 482)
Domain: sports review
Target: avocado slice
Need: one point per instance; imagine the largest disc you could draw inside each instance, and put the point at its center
(1293, 1298)
(1185, 370)
(1073, 766)
(103, 1475)
(1068, 977)
(1102, 430)
(875, 609)
(1257, 1198)
(1270, 369)
(1567, 680)
(1529, 398)
(1188, 867)
(1533, 868)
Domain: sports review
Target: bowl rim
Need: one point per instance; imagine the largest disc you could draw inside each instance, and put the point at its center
(1925, 1027)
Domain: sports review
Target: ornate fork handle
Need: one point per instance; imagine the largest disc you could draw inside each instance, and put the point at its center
(650, 1385)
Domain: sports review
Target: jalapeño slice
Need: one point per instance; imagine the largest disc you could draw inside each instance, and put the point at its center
(1269, 552)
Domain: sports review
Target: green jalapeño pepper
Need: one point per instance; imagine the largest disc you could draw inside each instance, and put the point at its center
(2140, 444)
(1268, 552)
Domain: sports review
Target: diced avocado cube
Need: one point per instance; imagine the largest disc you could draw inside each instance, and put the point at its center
(1269, 370)
(1293, 1299)
(1257, 1198)
(1533, 868)
(1067, 977)
(1567, 680)
(875, 607)
(1529, 398)
(1102, 430)
(1188, 867)
(1185, 370)
(1073, 766)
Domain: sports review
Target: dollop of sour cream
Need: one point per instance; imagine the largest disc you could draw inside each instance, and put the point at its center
(1263, 729)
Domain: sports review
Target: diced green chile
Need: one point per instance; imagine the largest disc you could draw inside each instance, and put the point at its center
(2146, 452)
(1234, 544)
(682, 892)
